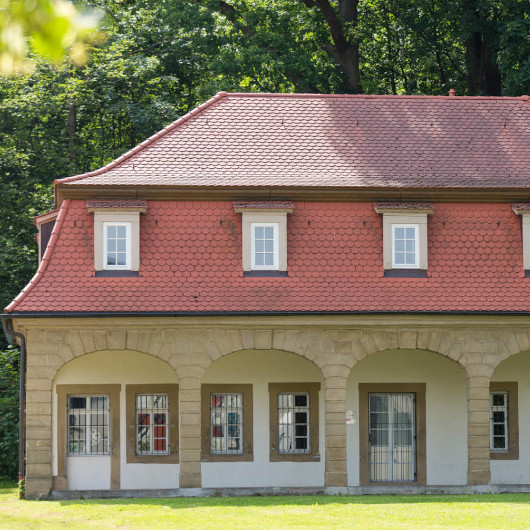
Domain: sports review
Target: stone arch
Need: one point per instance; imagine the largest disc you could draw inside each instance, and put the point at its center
(355, 345)
(510, 343)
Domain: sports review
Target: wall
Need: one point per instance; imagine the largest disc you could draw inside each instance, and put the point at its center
(112, 367)
(260, 368)
(517, 369)
(446, 410)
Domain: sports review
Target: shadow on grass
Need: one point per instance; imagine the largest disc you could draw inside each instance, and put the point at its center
(301, 500)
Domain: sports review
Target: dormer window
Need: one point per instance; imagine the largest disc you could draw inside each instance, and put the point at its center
(116, 236)
(264, 237)
(117, 246)
(405, 244)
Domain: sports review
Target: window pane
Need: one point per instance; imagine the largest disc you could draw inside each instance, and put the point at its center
(259, 232)
(122, 259)
(121, 245)
(88, 420)
(399, 233)
(269, 232)
(410, 245)
(111, 245)
(400, 258)
(269, 245)
(269, 259)
(411, 233)
(410, 259)
(122, 234)
(293, 423)
(498, 400)
(399, 245)
(259, 245)
(111, 231)
(260, 259)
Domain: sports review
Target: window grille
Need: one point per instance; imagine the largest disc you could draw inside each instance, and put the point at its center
(152, 432)
(293, 423)
(88, 425)
(392, 438)
(226, 423)
(499, 421)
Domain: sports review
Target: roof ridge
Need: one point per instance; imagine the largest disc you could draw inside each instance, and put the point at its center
(370, 96)
(145, 143)
(43, 265)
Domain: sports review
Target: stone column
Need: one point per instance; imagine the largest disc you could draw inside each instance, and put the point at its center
(43, 360)
(190, 428)
(335, 417)
(478, 440)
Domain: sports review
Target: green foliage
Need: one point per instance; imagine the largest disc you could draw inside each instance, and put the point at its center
(9, 364)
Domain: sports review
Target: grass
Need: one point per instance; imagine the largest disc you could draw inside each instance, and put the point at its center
(426, 511)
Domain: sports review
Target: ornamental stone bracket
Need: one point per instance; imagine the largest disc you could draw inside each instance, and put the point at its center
(189, 351)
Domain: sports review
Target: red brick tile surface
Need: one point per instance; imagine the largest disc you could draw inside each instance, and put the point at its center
(277, 140)
(191, 262)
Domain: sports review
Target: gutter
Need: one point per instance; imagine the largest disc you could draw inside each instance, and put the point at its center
(7, 324)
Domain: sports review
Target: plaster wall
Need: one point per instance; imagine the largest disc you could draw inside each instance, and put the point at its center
(516, 368)
(114, 367)
(446, 409)
(259, 368)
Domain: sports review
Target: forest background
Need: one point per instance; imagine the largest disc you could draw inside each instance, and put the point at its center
(155, 60)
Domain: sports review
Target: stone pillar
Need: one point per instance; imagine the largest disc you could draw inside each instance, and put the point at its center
(478, 440)
(335, 417)
(43, 360)
(190, 429)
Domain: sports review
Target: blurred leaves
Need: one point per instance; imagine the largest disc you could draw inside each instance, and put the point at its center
(54, 29)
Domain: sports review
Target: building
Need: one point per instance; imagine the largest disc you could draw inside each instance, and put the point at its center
(288, 292)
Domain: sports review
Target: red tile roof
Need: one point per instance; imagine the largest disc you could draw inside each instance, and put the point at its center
(279, 140)
(191, 262)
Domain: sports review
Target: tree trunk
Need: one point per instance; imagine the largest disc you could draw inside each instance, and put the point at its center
(72, 134)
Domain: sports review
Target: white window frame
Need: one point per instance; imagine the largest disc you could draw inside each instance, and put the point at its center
(88, 411)
(416, 263)
(497, 408)
(127, 226)
(152, 425)
(276, 250)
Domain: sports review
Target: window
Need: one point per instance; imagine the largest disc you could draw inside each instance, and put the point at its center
(264, 237)
(152, 421)
(88, 419)
(293, 412)
(152, 432)
(117, 236)
(392, 425)
(88, 425)
(117, 245)
(405, 246)
(226, 422)
(264, 249)
(504, 423)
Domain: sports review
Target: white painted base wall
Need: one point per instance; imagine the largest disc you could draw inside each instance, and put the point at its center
(446, 409)
(516, 368)
(260, 368)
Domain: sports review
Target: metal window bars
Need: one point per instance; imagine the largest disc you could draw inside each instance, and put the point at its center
(293, 422)
(152, 432)
(88, 425)
(392, 437)
(226, 423)
(499, 421)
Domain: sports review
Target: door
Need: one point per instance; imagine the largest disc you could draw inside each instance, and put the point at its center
(392, 437)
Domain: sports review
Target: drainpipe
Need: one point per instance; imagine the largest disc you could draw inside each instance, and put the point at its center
(7, 324)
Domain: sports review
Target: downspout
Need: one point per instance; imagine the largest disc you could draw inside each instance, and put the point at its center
(7, 324)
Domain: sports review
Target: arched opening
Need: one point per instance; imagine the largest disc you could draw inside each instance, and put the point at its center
(115, 422)
(262, 421)
(407, 420)
(509, 432)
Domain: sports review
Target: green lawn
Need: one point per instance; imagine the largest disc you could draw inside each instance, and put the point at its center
(474, 511)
